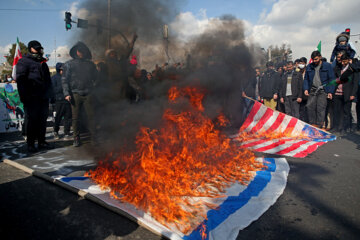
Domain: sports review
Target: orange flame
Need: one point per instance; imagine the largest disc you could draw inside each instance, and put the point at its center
(175, 166)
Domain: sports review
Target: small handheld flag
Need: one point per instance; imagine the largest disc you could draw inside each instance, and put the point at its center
(17, 56)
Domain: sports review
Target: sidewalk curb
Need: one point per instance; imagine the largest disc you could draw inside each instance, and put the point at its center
(80, 193)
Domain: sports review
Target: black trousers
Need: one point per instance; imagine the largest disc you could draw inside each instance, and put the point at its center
(292, 107)
(329, 113)
(303, 111)
(342, 113)
(36, 113)
(63, 109)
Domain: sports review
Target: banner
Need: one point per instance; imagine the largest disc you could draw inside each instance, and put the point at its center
(11, 108)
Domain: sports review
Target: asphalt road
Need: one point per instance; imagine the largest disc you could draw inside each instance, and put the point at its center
(321, 199)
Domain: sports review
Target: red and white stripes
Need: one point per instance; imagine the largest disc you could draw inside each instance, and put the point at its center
(273, 132)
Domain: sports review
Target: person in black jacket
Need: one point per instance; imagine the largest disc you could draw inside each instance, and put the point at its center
(291, 90)
(34, 86)
(345, 93)
(78, 81)
(302, 111)
(269, 86)
(251, 88)
(62, 107)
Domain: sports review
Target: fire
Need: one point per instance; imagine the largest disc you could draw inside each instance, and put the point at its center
(175, 168)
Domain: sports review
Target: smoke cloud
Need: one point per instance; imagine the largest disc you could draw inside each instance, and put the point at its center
(219, 61)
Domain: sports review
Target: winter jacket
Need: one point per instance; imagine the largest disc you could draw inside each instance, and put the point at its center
(79, 74)
(33, 79)
(269, 84)
(326, 76)
(347, 47)
(57, 85)
(250, 87)
(296, 85)
(350, 87)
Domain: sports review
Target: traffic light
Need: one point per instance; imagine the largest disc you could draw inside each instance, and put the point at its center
(67, 21)
(347, 30)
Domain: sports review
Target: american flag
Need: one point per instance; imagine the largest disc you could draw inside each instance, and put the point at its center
(269, 131)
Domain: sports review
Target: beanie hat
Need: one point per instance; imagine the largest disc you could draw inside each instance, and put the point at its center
(342, 38)
(34, 44)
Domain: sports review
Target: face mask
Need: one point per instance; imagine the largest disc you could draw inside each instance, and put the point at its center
(38, 55)
(301, 66)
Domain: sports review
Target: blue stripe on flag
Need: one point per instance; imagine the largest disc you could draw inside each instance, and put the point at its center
(69, 179)
(234, 203)
(317, 135)
(248, 104)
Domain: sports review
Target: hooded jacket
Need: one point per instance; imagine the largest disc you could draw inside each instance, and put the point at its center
(347, 47)
(79, 74)
(269, 84)
(33, 79)
(57, 85)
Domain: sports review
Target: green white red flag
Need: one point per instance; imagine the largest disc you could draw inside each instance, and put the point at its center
(318, 48)
(17, 56)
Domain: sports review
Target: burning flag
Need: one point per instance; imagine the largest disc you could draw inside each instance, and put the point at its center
(17, 56)
(187, 157)
(269, 131)
(187, 180)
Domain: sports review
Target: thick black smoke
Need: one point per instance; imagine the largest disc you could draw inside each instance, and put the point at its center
(146, 18)
(219, 61)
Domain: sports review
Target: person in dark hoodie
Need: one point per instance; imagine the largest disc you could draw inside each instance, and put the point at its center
(34, 86)
(269, 86)
(78, 81)
(62, 107)
(342, 44)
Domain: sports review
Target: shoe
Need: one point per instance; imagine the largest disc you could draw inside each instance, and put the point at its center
(56, 136)
(45, 145)
(32, 149)
(76, 142)
(67, 137)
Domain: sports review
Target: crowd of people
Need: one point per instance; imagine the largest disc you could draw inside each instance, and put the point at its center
(326, 95)
(70, 90)
(317, 92)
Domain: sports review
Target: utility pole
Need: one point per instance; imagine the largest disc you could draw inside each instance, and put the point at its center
(55, 49)
(269, 51)
(166, 38)
(109, 24)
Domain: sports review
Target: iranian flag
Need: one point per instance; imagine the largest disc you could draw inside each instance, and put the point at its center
(17, 56)
(318, 48)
